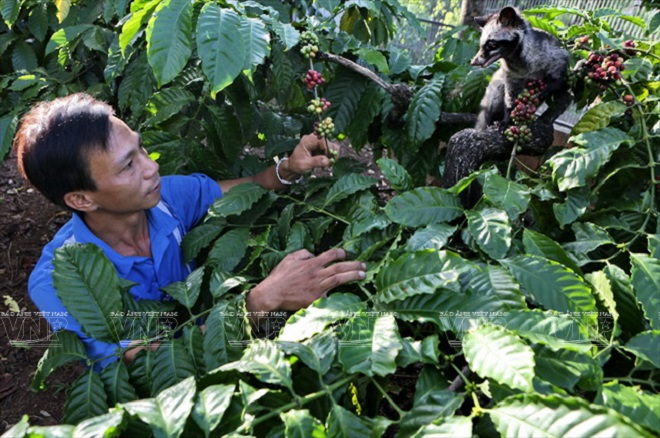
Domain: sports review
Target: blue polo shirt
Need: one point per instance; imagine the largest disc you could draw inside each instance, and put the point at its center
(184, 202)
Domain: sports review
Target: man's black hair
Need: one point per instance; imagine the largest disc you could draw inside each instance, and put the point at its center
(54, 140)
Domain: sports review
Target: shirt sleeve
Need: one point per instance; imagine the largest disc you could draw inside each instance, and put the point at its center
(190, 196)
(42, 293)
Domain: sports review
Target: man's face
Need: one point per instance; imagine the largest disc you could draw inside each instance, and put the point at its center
(127, 180)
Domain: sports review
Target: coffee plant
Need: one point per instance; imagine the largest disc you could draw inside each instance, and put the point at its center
(535, 312)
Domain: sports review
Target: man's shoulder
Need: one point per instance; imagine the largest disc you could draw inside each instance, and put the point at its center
(194, 181)
(176, 187)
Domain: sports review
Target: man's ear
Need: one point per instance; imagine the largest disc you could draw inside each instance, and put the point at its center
(80, 201)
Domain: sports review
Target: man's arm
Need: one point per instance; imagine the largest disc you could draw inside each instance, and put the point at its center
(309, 154)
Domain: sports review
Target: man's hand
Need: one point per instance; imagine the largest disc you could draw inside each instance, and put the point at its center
(310, 153)
(301, 278)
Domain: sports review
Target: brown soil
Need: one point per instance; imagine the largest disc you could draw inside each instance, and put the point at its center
(27, 222)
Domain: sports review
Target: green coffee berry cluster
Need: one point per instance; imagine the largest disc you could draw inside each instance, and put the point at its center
(520, 134)
(317, 106)
(310, 44)
(324, 128)
(333, 155)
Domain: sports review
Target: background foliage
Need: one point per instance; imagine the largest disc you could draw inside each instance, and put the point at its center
(541, 301)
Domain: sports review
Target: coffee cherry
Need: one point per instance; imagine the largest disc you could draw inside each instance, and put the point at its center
(317, 106)
(324, 128)
(313, 78)
(309, 44)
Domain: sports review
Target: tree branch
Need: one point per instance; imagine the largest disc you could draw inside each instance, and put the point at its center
(400, 93)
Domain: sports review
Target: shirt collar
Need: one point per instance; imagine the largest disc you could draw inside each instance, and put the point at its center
(161, 226)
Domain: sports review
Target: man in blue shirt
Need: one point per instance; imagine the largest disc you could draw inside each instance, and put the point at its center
(83, 158)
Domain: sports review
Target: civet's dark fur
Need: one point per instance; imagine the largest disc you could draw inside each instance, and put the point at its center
(525, 54)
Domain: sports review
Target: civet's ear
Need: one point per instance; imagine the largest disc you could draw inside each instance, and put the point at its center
(481, 21)
(509, 17)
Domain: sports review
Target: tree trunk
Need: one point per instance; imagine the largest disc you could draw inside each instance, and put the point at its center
(469, 10)
(468, 149)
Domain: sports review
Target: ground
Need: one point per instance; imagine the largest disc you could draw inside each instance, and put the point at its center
(27, 222)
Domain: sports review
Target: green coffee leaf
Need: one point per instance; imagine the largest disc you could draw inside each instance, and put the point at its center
(301, 424)
(109, 424)
(169, 39)
(631, 316)
(448, 427)
(8, 124)
(370, 106)
(318, 353)
(199, 238)
(421, 272)
(646, 346)
(167, 413)
(172, 364)
(186, 292)
(556, 416)
(603, 291)
(342, 423)
(266, 362)
(345, 91)
(552, 285)
(226, 328)
(424, 351)
(574, 206)
(131, 28)
(433, 236)
(87, 398)
(65, 347)
(256, 40)
(220, 46)
(398, 177)
(423, 113)
(423, 206)
(65, 36)
(506, 194)
(541, 245)
(573, 167)
(498, 283)
(645, 279)
(599, 116)
(639, 406)
(348, 185)
(369, 344)
(491, 229)
(87, 283)
(556, 331)
(565, 368)
(497, 353)
(237, 200)
(211, 404)
(314, 319)
(588, 237)
(431, 407)
(116, 382)
(286, 33)
(229, 250)
(447, 309)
